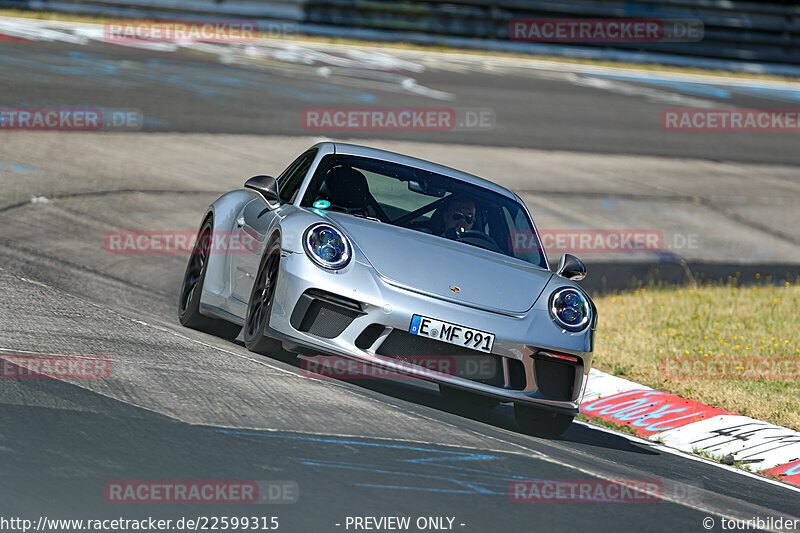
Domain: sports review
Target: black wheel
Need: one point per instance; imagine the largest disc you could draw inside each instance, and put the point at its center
(462, 398)
(260, 305)
(189, 302)
(541, 422)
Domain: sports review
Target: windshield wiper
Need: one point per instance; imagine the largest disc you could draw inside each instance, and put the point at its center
(359, 215)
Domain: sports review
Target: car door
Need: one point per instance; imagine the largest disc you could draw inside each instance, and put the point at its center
(257, 221)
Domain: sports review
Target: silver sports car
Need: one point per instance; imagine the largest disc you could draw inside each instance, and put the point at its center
(403, 265)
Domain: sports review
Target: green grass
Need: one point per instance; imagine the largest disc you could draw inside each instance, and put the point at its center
(744, 465)
(607, 424)
(705, 326)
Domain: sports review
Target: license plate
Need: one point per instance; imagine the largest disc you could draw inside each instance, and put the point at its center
(451, 333)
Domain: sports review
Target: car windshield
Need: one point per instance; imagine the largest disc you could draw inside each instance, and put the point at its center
(424, 201)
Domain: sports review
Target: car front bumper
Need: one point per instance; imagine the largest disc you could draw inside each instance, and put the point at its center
(368, 300)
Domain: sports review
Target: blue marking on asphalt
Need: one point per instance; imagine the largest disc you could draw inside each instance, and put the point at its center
(473, 457)
(90, 68)
(209, 82)
(319, 92)
(108, 68)
(29, 76)
(667, 256)
(14, 167)
(400, 487)
(765, 255)
(465, 455)
(151, 121)
(773, 93)
(348, 94)
(366, 468)
(234, 82)
(472, 485)
(700, 89)
(706, 89)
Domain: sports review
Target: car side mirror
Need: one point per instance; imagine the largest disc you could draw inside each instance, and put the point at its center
(264, 187)
(571, 267)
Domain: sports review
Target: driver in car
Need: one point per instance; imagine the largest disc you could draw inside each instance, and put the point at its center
(455, 217)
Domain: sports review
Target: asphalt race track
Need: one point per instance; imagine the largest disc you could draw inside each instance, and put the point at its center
(261, 88)
(183, 405)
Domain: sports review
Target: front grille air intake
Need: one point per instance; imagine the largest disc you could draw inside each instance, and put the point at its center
(555, 379)
(443, 357)
(324, 314)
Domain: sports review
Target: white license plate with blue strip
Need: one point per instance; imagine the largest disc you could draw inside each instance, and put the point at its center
(451, 333)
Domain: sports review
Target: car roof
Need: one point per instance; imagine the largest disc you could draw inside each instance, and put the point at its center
(392, 157)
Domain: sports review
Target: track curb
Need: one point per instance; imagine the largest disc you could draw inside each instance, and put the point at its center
(694, 427)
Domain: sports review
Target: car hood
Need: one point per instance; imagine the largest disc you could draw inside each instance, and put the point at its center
(432, 265)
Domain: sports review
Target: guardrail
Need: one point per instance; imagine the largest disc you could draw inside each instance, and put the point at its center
(733, 30)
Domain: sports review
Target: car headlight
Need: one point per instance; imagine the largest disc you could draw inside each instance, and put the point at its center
(327, 246)
(570, 309)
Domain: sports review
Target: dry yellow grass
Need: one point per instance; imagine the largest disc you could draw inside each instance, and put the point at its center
(707, 327)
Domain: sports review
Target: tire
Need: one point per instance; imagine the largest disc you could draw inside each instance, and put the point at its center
(541, 422)
(259, 305)
(462, 398)
(192, 287)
